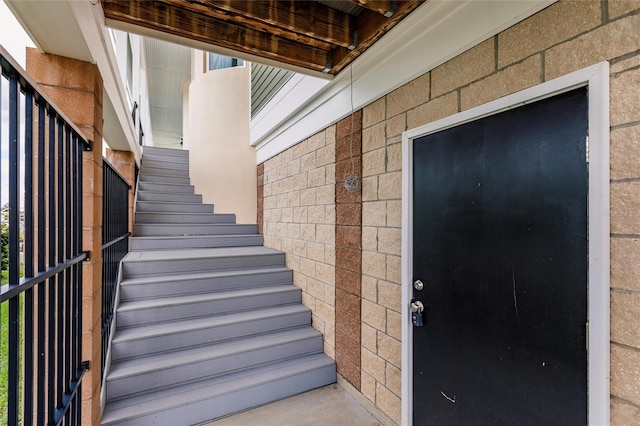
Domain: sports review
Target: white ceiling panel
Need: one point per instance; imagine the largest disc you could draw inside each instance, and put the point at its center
(168, 68)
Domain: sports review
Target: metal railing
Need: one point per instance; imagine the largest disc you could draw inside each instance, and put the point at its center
(41, 302)
(115, 245)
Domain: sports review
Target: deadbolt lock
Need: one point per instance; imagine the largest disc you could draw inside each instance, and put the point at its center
(418, 285)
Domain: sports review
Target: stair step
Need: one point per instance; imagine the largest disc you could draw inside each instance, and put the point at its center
(168, 197)
(159, 229)
(195, 241)
(162, 167)
(160, 206)
(165, 161)
(165, 262)
(164, 188)
(163, 158)
(173, 152)
(198, 283)
(183, 217)
(213, 398)
(166, 337)
(146, 374)
(180, 170)
(151, 178)
(150, 311)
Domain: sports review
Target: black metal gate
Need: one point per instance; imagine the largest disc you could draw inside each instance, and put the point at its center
(41, 297)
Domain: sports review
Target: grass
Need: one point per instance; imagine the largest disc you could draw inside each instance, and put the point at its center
(4, 359)
(4, 349)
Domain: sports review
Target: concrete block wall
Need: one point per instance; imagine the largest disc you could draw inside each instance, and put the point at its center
(565, 37)
(348, 234)
(299, 216)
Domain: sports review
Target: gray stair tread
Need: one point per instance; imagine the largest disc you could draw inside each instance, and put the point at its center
(183, 217)
(201, 241)
(167, 186)
(173, 203)
(170, 157)
(200, 253)
(130, 408)
(172, 213)
(129, 306)
(164, 162)
(189, 228)
(182, 170)
(201, 275)
(148, 177)
(167, 151)
(162, 361)
(147, 196)
(153, 330)
(169, 238)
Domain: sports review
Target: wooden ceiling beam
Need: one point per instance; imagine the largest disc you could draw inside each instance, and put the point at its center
(371, 26)
(384, 7)
(307, 22)
(168, 18)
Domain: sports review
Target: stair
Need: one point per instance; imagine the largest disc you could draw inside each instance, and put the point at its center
(209, 322)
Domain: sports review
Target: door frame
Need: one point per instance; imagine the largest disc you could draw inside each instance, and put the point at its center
(596, 79)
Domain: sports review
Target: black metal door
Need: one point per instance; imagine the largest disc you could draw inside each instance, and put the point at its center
(500, 243)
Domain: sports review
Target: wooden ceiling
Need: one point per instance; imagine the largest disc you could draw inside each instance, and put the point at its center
(322, 36)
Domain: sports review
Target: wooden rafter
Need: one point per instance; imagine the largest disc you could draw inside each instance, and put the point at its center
(168, 18)
(306, 34)
(384, 7)
(371, 26)
(307, 21)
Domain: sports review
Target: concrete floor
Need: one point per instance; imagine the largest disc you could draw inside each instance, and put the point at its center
(327, 406)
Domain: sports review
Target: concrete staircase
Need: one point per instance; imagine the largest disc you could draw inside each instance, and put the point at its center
(209, 322)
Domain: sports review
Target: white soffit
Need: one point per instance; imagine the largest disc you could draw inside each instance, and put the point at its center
(75, 29)
(52, 27)
(434, 33)
(168, 67)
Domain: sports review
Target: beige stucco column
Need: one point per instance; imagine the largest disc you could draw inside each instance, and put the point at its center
(222, 163)
(76, 88)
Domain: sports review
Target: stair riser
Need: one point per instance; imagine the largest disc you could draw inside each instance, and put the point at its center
(128, 386)
(148, 166)
(237, 400)
(151, 230)
(163, 188)
(166, 197)
(178, 266)
(175, 180)
(195, 286)
(169, 152)
(180, 171)
(147, 206)
(139, 244)
(162, 158)
(220, 307)
(197, 337)
(183, 218)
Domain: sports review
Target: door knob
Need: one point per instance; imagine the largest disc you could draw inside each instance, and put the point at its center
(418, 285)
(416, 313)
(417, 306)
